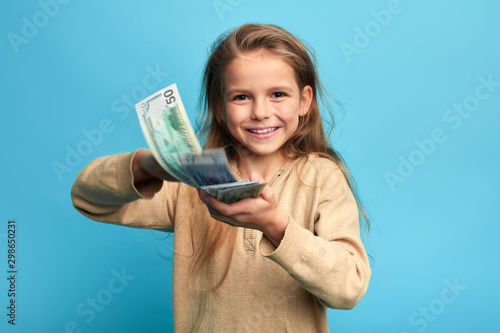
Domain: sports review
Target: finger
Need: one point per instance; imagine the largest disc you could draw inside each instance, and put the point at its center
(201, 194)
(209, 201)
(221, 207)
(204, 197)
(216, 215)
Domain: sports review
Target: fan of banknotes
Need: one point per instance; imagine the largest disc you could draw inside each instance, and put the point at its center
(174, 145)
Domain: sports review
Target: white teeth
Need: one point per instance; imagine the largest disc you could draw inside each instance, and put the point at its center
(262, 131)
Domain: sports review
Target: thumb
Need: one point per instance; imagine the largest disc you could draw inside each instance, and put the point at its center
(255, 176)
(267, 194)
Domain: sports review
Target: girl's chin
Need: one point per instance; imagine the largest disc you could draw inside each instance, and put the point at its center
(256, 153)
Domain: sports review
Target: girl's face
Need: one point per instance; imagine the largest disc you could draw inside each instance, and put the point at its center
(263, 102)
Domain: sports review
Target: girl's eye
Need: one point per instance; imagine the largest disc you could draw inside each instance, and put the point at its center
(279, 94)
(240, 97)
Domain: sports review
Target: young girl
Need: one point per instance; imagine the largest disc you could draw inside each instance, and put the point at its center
(268, 264)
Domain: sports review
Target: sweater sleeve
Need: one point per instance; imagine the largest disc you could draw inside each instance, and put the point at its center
(332, 263)
(104, 191)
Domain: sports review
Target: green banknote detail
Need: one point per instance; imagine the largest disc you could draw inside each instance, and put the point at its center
(168, 131)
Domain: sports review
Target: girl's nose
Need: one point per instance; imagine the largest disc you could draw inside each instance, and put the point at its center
(260, 110)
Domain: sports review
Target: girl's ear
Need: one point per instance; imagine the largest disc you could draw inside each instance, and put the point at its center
(305, 100)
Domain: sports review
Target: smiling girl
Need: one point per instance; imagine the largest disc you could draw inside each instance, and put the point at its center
(267, 264)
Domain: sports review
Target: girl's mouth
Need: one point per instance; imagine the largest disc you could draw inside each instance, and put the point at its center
(262, 130)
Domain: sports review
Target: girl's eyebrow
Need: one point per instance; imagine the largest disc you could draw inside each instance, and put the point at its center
(246, 91)
(281, 88)
(237, 90)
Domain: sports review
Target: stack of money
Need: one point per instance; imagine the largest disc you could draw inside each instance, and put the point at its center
(174, 145)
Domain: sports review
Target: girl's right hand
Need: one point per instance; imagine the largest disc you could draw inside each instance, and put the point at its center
(145, 166)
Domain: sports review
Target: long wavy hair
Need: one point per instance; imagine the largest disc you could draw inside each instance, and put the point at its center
(309, 138)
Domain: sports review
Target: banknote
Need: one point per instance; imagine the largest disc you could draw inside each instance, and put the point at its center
(214, 189)
(167, 129)
(232, 195)
(208, 167)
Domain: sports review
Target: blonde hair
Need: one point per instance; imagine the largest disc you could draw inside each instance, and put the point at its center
(309, 138)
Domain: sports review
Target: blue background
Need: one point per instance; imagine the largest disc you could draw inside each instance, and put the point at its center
(432, 227)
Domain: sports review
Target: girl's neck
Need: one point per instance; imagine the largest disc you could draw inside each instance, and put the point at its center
(265, 166)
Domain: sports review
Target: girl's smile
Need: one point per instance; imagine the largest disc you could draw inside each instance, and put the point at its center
(263, 132)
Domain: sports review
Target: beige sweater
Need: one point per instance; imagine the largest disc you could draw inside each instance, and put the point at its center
(321, 261)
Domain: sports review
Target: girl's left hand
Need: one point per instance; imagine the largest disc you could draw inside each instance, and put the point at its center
(262, 213)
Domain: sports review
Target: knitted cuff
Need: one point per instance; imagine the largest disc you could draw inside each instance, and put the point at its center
(147, 188)
(291, 248)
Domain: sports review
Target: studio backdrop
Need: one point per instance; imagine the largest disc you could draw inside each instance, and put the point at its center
(417, 85)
